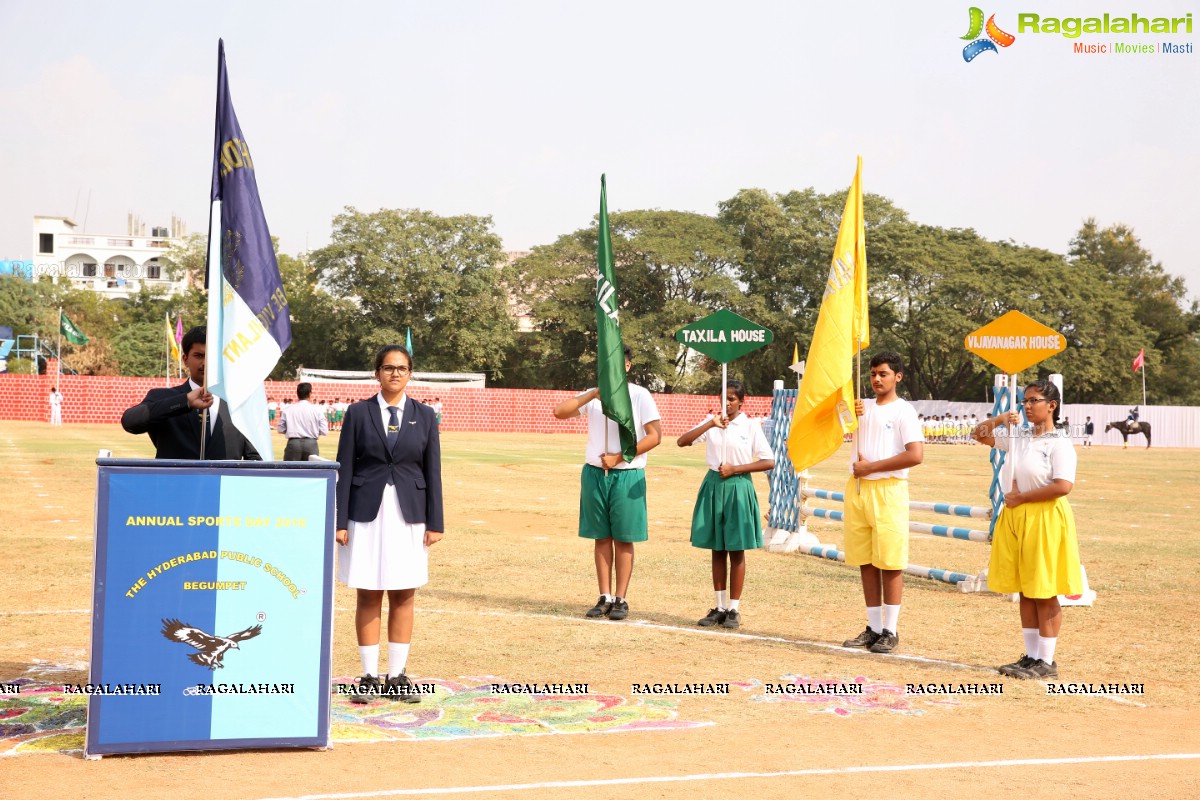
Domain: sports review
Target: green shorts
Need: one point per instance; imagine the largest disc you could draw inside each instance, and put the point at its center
(613, 505)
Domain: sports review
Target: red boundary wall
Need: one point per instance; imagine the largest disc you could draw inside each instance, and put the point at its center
(102, 400)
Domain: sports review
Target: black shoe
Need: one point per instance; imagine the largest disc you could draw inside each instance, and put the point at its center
(886, 642)
(619, 610)
(1039, 670)
(865, 639)
(715, 617)
(399, 687)
(1011, 670)
(600, 609)
(368, 686)
(732, 619)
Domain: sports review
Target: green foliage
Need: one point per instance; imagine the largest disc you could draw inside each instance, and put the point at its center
(141, 349)
(672, 268)
(765, 256)
(439, 275)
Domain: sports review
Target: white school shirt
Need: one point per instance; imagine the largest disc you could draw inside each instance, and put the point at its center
(743, 439)
(212, 410)
(644, 411)
(1040, 459)
(883, 431)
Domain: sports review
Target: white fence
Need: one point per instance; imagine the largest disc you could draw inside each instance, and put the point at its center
(1171, 426)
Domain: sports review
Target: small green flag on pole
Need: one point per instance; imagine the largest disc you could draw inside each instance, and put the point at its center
(68, 329)
(408, 340)
(610, 350)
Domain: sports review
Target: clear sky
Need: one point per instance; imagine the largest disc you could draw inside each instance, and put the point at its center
(513, 108)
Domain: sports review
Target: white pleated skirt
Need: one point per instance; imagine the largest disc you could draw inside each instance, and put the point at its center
(385, 553)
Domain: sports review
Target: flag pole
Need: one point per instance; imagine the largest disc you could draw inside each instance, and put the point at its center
(723, 407)
(58, 372)
(1012, 435)
(857, 389)
(1143, 381)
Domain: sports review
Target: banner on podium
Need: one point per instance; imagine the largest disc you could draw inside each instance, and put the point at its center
(212, 607)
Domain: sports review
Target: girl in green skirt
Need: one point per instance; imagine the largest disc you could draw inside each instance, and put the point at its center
(726, 519)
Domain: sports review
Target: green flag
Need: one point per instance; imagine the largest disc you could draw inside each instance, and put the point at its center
(68, 329)
(610, 350)
(408, 340)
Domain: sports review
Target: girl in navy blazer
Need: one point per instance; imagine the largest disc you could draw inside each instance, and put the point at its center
(389, 512)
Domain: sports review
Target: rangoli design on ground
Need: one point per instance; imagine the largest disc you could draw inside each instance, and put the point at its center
(41, 718)
(876, 696)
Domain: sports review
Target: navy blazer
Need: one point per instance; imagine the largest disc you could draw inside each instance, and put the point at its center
(414, 465)
(175, 429)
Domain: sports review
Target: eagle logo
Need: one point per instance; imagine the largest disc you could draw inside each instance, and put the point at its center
(212, 648)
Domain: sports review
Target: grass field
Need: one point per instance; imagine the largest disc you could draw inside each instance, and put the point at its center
(510, 583)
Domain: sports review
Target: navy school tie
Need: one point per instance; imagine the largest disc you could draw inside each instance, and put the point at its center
(393, 430)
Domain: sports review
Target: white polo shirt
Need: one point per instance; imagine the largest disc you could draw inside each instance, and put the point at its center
(883, 432)
(644, 411)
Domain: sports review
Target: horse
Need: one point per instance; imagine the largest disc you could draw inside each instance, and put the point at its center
(1123, 427)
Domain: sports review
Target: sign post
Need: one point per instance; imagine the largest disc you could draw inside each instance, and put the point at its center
(1013, 343)
(724, 336)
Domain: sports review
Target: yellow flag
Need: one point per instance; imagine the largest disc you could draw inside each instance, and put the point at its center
(825, 408)
(795, 354)
(171, 340)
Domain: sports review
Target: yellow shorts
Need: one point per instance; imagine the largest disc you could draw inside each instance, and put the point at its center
(1035, 551)
(876, 523)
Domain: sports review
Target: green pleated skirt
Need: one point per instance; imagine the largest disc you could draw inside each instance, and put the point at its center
(726, 516)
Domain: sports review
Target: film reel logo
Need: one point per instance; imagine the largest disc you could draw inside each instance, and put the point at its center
(994, 37)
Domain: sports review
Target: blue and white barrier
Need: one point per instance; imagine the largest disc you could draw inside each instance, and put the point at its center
(932, 573)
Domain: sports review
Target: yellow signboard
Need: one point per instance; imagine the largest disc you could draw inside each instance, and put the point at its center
(1015, 342)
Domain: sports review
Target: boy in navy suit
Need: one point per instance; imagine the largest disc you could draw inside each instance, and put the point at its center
(172, 415)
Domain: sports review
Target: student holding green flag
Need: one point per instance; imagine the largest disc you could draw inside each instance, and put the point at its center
(612, 491)
(622, 428)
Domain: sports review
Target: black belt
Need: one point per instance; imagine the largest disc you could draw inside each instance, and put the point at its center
(301, 439)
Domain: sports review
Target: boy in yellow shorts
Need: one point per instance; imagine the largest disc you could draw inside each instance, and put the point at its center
(889, 442)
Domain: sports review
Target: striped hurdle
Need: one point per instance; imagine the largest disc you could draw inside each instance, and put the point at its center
(946, 531)
(949, 509)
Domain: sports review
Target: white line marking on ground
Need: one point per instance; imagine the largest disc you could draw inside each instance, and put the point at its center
(724, 776)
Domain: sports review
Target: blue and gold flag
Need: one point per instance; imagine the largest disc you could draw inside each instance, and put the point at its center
(248, 323)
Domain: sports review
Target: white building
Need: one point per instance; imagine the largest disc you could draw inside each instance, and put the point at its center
(113, 266)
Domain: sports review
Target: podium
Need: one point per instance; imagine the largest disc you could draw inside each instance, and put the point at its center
(212, 606)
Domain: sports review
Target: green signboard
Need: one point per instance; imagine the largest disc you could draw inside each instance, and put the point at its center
(724, 336)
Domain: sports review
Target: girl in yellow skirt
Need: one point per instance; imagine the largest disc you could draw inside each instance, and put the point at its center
(726, 519)
(1034, 547)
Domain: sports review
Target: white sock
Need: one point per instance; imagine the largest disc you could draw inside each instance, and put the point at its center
(1032, 647)
(397, 658)
(875, 618)
(891, 615)
(608, 598)
(369, 656)
(721, 601)
(733, 605)
(1046, 648)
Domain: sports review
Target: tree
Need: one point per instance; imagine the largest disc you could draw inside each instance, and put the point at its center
(788, 240)
(439, 275)
(141, 349)
(327, 332)
(1115, 258)
(672, 268)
